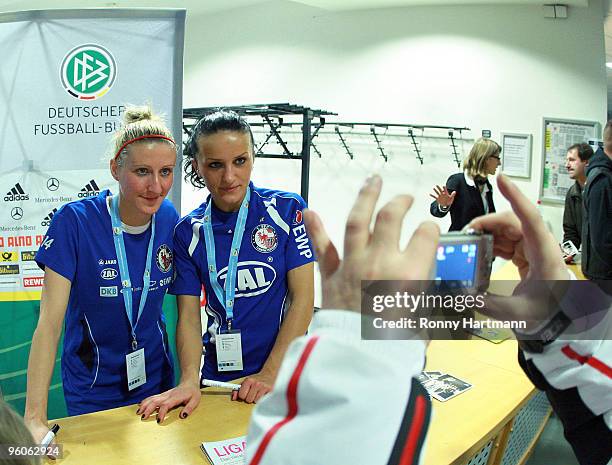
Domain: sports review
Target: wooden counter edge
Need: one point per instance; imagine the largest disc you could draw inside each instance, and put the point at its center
(494, 432)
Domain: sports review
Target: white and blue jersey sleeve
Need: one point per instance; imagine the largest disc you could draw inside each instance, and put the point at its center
(79, 246)
(274, 242)
(59, 249)
(188, 236)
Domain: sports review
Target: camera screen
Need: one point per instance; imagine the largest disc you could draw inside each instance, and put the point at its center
(457, 263)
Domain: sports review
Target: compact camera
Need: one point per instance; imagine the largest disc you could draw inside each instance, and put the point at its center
(463, 261)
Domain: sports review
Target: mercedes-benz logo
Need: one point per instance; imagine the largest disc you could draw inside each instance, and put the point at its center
(17, 213)
(52, 184)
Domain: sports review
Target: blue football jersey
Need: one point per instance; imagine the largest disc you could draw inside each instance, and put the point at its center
(274, 242)
(79, 246)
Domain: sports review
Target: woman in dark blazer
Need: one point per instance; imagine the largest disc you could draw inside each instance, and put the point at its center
(469, 194)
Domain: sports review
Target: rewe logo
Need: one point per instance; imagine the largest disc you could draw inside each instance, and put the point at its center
(91, 189)
(88, 71)
(16, 194)
(33, 282)
(253, 278)
(48, 218)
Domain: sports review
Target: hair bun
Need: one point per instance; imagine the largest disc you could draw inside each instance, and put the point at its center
(134, 114)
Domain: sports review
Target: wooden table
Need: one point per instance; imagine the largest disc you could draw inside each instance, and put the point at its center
(119, 437)
(459, 427)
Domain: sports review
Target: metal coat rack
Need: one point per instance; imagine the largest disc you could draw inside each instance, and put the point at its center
(277, 116)
(410, 133)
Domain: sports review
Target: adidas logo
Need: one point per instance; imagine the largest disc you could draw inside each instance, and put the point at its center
(91, 189)
(48, 218)
(16, 194)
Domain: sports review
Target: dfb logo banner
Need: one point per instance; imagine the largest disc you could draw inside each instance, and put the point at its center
(64, 100)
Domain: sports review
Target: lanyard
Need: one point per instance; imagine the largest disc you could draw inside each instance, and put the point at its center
(124, 272)
(225, 298)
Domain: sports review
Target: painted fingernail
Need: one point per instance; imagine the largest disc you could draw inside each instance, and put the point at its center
(142, 417)
(158, 420)
(183, 415)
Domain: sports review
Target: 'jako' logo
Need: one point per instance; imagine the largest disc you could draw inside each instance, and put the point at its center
(88, 71)
(16, 194)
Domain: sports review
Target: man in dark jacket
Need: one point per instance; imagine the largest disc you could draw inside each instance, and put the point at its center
(597, 214)
(576, 161)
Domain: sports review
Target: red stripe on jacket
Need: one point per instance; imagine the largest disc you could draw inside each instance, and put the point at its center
(592, 361)
(292, 404)
(415, 432)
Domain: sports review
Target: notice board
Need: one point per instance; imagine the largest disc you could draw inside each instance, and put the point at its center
(557, 136)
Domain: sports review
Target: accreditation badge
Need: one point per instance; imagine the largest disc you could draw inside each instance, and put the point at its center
(229, 351)
(136, 372)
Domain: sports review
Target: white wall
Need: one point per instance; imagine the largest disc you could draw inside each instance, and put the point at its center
(485, 67)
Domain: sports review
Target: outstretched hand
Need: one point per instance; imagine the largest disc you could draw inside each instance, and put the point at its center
(442, 196)
(371, 255)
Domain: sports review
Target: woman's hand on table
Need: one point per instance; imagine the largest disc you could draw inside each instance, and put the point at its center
(186, 393)
(254, 387)
(38, 429)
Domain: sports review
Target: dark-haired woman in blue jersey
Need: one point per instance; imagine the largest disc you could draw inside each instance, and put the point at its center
(249, 247)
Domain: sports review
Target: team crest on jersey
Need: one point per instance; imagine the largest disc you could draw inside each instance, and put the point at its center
(163, 258)
(264, 238)
(298, 218)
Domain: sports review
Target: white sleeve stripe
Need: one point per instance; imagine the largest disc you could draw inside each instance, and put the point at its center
(277, 219)
(195, 237)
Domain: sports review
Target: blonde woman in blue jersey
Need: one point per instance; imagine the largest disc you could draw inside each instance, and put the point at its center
(108, 263)
(249, 248)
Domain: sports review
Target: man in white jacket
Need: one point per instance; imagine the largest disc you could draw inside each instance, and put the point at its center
(341, 400)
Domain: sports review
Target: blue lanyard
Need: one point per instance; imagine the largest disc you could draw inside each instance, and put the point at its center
(124, 272)
(225, 298)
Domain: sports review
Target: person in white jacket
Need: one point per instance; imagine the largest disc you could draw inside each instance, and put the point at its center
(340, 400)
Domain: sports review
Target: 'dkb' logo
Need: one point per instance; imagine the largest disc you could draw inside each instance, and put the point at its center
(88, 72)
